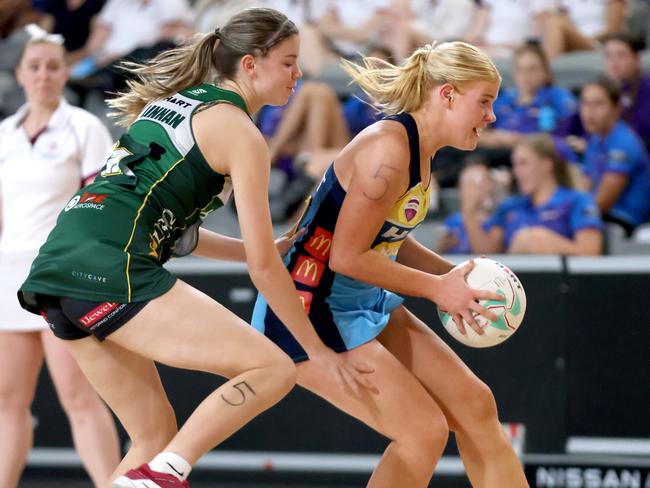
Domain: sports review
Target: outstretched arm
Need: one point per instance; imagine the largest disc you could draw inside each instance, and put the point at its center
(233, 145)
(217, 246)
(213, 245)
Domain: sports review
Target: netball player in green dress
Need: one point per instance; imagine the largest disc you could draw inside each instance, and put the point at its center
(99, 278)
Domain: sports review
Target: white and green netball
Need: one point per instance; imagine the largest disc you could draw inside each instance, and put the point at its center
(492, 275)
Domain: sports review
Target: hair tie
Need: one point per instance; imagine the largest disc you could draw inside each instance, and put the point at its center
(38, 34)
(217, 33)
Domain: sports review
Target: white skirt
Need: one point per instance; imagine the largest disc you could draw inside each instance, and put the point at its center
(14, 268)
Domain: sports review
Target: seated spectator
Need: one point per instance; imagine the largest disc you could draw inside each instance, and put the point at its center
(72, 19)
(499, 27)
(345, 28)
(547, 217)
(137, 29)
(313, 119)
(439, 20)
(616, 162)
(493, 185)
(306, 134)
(580, 26)
(623, 65)
(533, 105)
(14, 15)
(215, 13)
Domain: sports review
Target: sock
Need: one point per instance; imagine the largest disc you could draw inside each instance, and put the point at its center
(171, 463)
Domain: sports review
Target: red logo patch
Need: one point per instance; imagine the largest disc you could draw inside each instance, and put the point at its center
(308, 271)
(411, 209)
(305, 298)
(319, 244)
(92, 197)
(98, 313)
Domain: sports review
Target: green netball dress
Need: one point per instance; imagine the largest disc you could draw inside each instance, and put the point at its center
(146, 204)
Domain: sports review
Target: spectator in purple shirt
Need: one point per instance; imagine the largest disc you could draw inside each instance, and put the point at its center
(623, 65)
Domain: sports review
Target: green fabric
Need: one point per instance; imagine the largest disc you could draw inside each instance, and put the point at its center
(112, 238)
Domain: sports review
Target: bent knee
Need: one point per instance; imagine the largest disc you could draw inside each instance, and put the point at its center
(283, 372)
(428, 434)
(320, 90)
(484, 405)
(478, 407)
(155, 431)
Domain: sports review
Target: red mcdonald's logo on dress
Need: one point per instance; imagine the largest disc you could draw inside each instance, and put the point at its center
(305, 298)
(320, 244)
(307, 271)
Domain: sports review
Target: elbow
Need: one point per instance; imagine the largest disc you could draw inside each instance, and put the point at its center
(262, 270)
(341, 263)
(262, 277)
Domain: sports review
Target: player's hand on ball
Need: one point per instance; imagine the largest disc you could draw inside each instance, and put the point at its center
(461, 302)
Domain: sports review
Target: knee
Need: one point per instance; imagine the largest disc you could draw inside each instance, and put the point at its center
(283, 373)
(14, 397)
(429, 433)
(319, 90)
(479, 408)
(153, 433)
(483, 405)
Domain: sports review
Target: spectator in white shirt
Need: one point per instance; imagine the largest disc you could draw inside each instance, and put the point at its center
(499, 27)
(47, 150)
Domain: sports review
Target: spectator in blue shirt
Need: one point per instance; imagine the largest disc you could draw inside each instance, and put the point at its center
(493, 185)
(623, 65)
(532, 105)
(616, 162)
(547, 217)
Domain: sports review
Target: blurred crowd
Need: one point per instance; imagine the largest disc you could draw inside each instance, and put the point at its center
(565, 168)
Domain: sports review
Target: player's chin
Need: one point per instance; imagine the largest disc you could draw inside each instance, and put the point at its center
(465, 145)
(279, 99)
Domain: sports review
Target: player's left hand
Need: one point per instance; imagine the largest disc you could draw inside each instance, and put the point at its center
(286, 240)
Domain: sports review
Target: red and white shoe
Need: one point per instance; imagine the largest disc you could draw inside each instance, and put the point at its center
(145, 477)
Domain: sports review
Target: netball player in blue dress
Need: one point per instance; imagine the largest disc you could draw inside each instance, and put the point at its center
(356, 254)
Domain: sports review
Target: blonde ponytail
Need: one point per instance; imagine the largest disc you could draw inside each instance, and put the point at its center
(395, 89)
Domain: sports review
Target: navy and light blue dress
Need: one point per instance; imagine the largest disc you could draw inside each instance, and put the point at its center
(345, 312)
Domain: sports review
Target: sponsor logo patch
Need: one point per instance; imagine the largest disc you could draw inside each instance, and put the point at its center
(411, 208)
(319, 244)
(98, 313)
(305, 299)
(89, 277)
(308, 271)
(94, 201)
